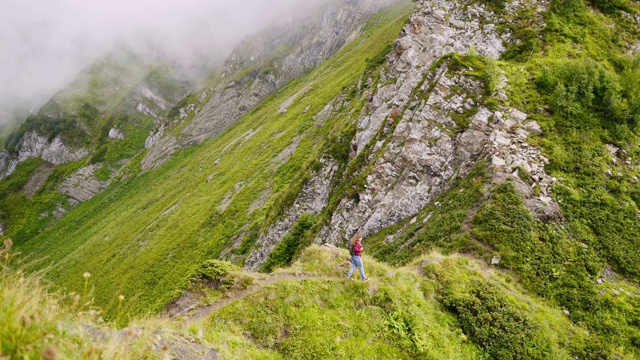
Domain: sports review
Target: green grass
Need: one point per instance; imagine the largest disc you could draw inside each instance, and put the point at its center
(440, 307)
(337, 318)
(436, 308)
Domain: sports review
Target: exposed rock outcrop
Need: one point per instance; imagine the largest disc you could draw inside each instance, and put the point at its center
(83, 185)
(313, 198)
(37, 180)
(55, 152)
(418, 108)
(5, 158)
(116, 134)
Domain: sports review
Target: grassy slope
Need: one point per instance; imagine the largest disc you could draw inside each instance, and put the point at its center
(418, 311)
(435, 308)
(143, 238)
(101, 99)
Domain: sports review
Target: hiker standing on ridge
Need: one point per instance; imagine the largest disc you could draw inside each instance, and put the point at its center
(355, 250)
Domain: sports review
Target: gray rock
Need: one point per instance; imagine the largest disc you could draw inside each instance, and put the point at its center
(502, 138)
(522, 134)
(4, 161)
(613, 150)
(546, 199)
(82, 185)
(509, 123)
(518, 115)
(161, 152)
(59, 212)
(32, 145)
(116, 134)
(313, 198)
(533, 127)
(498, 161)
(37, 180)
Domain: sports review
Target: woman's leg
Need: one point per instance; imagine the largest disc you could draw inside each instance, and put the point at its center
(361, 267)
(354, 265)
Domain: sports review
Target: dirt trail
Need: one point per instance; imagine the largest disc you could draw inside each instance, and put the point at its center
(203, 312)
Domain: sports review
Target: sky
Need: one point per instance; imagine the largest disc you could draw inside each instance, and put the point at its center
(45, 43)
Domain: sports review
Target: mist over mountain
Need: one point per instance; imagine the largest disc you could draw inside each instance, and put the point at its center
(44, 44)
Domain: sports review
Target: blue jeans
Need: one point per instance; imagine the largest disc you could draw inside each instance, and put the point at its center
(356, 262)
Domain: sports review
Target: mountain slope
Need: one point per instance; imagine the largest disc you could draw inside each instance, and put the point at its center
(503, 130)
(193, 217)
(258, 67)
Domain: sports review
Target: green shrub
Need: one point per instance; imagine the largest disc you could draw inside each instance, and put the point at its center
(224, 275)
(611, 6)
(572, 10)
(291, 244)
(403, 328)
(494, 323)
(579, 89)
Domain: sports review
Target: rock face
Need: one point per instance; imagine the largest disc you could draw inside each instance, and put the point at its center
(55, 152)
(304, 44)
(426, 148)
(422, 128)
(116, 134)
(424, 153)
(82, 185)
(4, 161)
(313, 198)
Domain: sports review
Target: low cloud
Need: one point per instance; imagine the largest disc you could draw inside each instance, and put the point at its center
(45, 43)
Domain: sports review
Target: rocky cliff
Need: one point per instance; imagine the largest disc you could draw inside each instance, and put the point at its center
(428, 122)
(260, 66)
(436, 120)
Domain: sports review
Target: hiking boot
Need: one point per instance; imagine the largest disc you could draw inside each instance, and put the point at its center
(365, 279)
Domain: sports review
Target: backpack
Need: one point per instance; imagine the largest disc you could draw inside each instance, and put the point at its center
(351, 246)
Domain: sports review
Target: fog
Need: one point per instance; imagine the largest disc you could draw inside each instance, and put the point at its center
(45, 43)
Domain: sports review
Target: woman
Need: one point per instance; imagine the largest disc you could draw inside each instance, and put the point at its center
(355, 249)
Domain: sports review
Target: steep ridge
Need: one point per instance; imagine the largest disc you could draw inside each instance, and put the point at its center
(128, 103)
(257, 68)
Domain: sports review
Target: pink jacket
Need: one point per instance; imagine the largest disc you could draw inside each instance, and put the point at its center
(357, 248)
